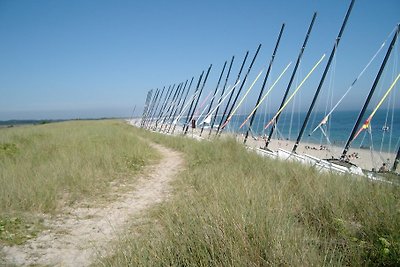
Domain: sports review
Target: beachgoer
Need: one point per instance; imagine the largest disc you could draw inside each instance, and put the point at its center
(383, 168)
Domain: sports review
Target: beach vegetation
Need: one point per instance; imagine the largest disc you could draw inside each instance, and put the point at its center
(232, 207)
(46, 167)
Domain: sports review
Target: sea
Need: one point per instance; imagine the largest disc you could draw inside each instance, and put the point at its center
(382, 135)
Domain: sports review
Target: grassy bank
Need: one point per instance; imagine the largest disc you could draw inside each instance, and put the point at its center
(233, 208)
(45, 167)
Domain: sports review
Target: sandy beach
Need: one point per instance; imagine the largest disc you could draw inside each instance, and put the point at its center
(360, 157)
(363, 158)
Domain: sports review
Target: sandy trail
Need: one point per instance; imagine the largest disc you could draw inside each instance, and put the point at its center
(80, 235)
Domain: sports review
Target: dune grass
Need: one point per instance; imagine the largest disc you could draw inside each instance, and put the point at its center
(45, 167)
(234, 208)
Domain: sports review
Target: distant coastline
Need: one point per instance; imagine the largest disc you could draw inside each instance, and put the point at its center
(12, 123)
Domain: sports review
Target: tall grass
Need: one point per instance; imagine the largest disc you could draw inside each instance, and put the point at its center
(233, 208)
(45, 166)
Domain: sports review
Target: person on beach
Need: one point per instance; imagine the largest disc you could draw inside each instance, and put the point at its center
(383, 168)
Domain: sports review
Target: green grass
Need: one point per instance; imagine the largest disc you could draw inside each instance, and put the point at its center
(45, 167)
(233, 208)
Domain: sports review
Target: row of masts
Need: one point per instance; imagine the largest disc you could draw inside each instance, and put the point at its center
(162, 112)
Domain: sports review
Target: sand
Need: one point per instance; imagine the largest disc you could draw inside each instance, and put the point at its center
(84, 232)
(363, 158)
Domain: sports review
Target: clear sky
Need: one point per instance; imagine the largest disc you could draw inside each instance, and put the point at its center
(95, 58)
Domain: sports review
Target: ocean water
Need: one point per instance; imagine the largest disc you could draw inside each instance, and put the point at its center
(338, 128)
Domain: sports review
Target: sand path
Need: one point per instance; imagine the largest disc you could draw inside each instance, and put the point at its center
(79, 235)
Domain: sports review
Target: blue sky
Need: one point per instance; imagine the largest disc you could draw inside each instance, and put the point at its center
(70, 59)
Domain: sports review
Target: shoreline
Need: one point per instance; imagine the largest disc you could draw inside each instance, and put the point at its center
(363, 158)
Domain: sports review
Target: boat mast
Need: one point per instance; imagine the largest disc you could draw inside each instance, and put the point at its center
(222, 93)
(198, 98)
(396, 161)
(150, 110)
(172, 105)
(162, 105)
(264, 82)
(215, 92)
(183, 103)
(295, 92)
(155, 110)
(177, 106)
(240, 88)
(146, 105)
(134, 108)
(228, 119)
(165, 107)
(323, 76)
(145, 109)
(326, 117)
(292, 77)
(230, 97)
(371, 92)
(193, 99)
(368, 121)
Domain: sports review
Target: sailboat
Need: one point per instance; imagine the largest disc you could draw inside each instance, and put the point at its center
(292, 155)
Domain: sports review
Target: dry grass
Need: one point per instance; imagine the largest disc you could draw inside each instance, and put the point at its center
(44, 167)
(233, 208)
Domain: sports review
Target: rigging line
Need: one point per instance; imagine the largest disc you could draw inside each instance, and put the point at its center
(371, 92)
(204, 110)
(208, 117)
(179, 104)
(212, 121)
(266, 94)
(326, 136)
(297, 78)
(162, 110)
(150, 108)
(300, 55)
(202, 104)
(171, 106)
(177, 107)
(329, 97)
(191, 105)
(252, 134)
(329, 126)
(295, 91)
(230, 97)
(183, 102)
(197, 100)
(222, 100)
(317, 92)
(279, 133)
(391, 123)
(362, 140)
(215, 94)
(261, 120)
(185, 107)
(395, 67)
(264, 117)
(371, 148)
(241, 101)
(148, 98)
(153, 112)
(153, 116)
(384, 127)
(265, 79)
(293, 107)
(368, 121)
(325, 119)
(397, 158)
(240, 89)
